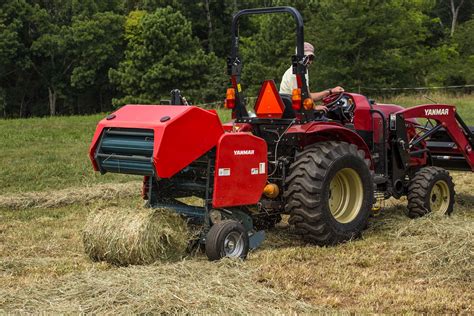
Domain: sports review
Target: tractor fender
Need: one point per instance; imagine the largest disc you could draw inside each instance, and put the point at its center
(314, 132)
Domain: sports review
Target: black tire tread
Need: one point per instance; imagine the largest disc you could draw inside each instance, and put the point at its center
(213, 251)
(304, 183)
(419, 187)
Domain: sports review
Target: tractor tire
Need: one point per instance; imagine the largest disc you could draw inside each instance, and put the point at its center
(329, 193)
(430, 190)
(227, 238)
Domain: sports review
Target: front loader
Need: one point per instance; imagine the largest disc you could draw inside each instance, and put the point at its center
(324, 170)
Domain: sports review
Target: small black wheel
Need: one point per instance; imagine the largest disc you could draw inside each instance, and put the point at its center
(430, 190)
(227, 239)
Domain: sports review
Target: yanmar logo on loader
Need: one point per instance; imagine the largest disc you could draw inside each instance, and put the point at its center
(244, 152)
(429, 112)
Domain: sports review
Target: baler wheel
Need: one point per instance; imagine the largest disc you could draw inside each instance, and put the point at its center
(329, 192)
(430, 190)
(227, 239)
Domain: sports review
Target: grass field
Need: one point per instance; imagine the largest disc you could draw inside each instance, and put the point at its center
(47, 189)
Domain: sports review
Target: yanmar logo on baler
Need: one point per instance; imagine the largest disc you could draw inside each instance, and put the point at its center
(244, 152)
(436, 112)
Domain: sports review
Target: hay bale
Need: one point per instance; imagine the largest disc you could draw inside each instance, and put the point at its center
(135, 236)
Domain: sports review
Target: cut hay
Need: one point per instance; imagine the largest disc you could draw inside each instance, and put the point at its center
(135, 236)
(444, 244)
(194, 287)
(59, 198)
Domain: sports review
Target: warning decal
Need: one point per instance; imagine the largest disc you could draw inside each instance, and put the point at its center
(224, 172)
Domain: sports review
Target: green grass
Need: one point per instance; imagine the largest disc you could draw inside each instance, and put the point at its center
(48, 153)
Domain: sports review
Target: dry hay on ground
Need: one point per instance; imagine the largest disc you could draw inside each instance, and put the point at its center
(59, 198)
(135, 236)
(185, 287)
(440, 244)
(399, 266)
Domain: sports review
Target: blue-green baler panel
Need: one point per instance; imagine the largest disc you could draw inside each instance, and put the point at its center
(127, 151)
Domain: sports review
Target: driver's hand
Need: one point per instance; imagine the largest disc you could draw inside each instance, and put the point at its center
(337, 89)
(321, 108)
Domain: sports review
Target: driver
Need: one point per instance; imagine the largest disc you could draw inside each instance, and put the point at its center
(288, 81)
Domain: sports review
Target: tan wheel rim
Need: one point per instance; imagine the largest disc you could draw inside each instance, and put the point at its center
(346, 193)
(440, 197)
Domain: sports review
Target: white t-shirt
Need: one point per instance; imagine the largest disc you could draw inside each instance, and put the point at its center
(288, 81)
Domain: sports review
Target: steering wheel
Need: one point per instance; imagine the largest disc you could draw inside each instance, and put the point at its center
(336, 110)
(332, 99)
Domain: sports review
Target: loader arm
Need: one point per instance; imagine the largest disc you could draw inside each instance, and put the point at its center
(446, 117)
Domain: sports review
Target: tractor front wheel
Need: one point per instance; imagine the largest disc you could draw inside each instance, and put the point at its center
(430, 190)
(227, 238)
(329, 192)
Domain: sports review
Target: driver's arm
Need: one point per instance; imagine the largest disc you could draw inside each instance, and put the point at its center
(316, 96)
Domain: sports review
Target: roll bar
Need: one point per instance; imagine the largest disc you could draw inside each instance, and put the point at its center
(295, 13)
(234, 63)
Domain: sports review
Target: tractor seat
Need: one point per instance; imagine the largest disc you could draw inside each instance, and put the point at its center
(288, 113)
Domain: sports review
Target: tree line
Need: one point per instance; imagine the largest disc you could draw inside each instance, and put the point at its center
(85, 56)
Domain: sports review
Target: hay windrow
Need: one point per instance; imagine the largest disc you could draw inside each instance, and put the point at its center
(449, 250)
(59, 198)
(135, 236)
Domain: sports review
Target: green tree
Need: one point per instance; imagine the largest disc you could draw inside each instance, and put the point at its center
(76, 43)
(16, 75)
(161, 55)
(460, 69)
(453, 13)
(267, 53)
(96, 45)
(58, 52)
(371, 43)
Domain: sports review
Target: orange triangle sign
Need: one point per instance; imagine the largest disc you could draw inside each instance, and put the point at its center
(269, 103)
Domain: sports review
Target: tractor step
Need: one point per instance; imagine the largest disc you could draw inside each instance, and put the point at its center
(379, 179)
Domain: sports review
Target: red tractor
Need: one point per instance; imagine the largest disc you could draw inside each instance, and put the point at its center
(324, 171)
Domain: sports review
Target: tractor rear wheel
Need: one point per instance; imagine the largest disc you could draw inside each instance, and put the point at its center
(329, 192)
(430, 190)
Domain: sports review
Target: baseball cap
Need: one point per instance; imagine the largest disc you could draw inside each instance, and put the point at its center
(308, 49)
